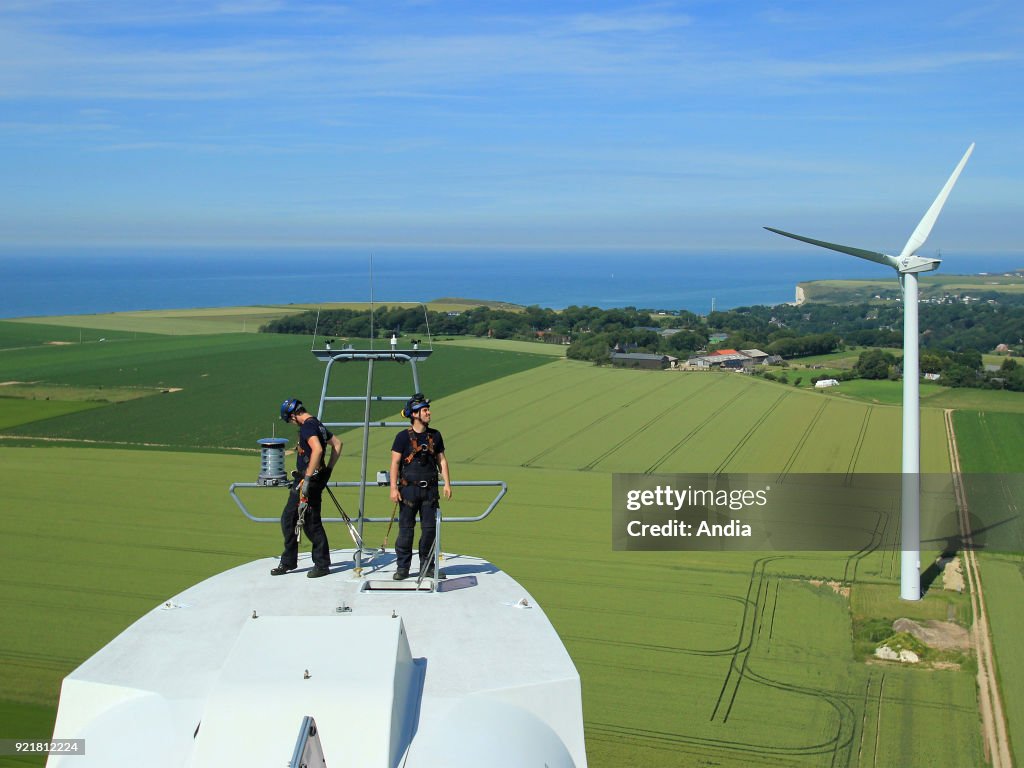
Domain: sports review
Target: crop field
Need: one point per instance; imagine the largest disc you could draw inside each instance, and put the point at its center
(993, 443)
(990, 441)
(504, 345)
(16, 335)
(686, 658)
(1003, 577)
(239, 378)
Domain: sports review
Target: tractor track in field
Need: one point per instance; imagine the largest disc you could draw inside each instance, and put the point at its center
(646, 425)
(749, 620)
(750, 433)
(798, 448)
(752, 622)
(753, 754)
(689, 435)
(530, 462)
(550, 370)
(870, 699)
(993, 720)
(851, 468)
(125, 444)
(877, 540)
(485, 423)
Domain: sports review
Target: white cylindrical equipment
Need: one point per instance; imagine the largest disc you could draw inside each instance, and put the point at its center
(272, 471)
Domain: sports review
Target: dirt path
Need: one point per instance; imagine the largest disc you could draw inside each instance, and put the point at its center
(993, 722)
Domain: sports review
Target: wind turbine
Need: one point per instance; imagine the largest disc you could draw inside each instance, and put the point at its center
(908, 266)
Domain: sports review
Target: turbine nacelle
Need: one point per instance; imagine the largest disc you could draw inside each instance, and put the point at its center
(915, 264)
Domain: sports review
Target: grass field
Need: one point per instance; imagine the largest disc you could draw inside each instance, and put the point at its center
(932, 395)
(992, 443)
(730, 659)
(1003, 577)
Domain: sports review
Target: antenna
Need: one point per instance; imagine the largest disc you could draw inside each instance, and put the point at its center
(426, 322)
(907, 265)
(315, 326)
(371, 301)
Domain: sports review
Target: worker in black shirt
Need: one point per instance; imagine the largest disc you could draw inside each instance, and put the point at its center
(417, 457)
(314, 469)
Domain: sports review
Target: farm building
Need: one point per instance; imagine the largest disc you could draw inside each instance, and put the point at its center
(643, 360)
(759, 357)
(826, 383)
(723, 358)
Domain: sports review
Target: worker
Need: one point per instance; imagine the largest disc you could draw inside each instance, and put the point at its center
(313, 470)
(417, 457)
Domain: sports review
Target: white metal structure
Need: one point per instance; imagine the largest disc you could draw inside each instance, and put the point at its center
(351, 669)
(907, 265)
(224, 674)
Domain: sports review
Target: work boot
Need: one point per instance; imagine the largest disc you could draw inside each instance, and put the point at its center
(400, 575)
(280, 569)
(428, 573)
(317, 572)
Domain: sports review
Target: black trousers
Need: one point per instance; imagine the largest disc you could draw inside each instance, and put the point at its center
(422, 501)
(313, 527)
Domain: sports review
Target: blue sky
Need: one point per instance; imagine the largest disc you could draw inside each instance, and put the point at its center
(553, 124)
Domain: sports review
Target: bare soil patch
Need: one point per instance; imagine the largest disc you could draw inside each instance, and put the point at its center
(944, 635)
(837, 587)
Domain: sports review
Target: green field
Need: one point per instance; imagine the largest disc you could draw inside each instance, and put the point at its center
(505, 345)
(728, 659)
(217, 391)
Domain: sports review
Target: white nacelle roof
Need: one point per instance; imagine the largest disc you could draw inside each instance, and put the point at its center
(467, 677)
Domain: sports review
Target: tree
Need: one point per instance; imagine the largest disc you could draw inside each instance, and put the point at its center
(874, 364)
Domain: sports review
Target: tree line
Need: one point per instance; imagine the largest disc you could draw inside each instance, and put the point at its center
(952, 335)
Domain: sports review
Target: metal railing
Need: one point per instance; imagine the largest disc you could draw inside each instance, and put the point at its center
(501, 484)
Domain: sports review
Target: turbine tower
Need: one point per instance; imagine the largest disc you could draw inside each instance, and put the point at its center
(908, 266)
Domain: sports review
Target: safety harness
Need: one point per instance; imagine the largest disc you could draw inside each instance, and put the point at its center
(419, 466)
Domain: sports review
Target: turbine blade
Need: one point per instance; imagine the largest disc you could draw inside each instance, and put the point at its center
(925, 227)
(860, 253)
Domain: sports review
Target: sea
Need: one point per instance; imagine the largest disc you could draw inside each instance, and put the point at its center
(71, 281)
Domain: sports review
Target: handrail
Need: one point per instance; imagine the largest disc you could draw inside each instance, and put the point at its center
(359, 518)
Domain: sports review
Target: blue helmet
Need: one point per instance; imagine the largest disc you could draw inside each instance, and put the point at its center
(415, 402)
(289, 407)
